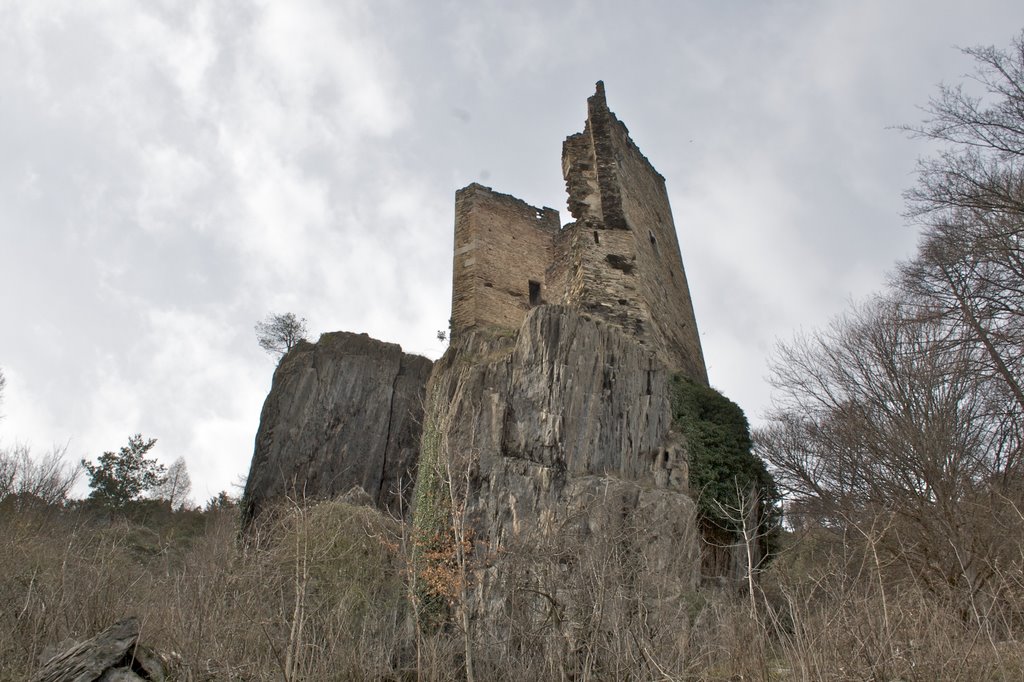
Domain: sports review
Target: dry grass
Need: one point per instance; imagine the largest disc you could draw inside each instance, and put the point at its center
(322, 594)
(316, 595)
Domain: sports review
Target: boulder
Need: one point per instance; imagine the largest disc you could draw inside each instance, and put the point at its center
(343, 412)
(114, 654)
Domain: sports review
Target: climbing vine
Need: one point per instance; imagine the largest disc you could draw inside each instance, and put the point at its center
(722, 465)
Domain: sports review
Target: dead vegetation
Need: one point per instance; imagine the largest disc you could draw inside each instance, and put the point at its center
(325, 592)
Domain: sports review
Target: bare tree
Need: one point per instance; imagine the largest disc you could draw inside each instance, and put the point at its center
(27, 479)
(176, 486)
(882, 421)
(751, 531)
(969, 198)
(984, 138)
(900, 427)
(279, 333)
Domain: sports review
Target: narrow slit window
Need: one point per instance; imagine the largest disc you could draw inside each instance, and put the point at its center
(534, 293)
(597, 239)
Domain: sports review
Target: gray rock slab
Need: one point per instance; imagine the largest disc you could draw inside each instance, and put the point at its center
(345, 411)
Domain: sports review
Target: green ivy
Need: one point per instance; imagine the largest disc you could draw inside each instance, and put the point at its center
(720, 453)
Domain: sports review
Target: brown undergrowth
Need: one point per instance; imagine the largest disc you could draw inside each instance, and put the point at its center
(323, 593)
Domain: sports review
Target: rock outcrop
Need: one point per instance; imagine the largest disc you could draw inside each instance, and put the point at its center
(112, 655)
(559, 436)
(343, 412)
(552, 510)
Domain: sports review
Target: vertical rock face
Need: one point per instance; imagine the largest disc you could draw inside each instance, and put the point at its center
(557, 436)
(343, 412)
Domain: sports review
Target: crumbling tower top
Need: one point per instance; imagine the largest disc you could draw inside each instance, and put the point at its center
(620, 260)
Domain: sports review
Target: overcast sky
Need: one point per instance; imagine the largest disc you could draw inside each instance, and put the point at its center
(171, 172)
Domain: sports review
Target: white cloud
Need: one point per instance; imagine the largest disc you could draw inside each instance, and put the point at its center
(172, 178)
(187, 191)
(313, 49)
(174, 171)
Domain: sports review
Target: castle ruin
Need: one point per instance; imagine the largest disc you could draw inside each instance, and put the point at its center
(619, 260)
(548, 422)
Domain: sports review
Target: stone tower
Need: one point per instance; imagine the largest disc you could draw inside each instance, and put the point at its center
(618, 261)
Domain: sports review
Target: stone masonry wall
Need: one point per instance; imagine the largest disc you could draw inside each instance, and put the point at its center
(662, 284)
(579, 168)
(631, 272)
(620, 260)
(501, 245)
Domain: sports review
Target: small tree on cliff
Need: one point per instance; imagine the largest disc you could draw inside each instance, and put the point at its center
(121, 477)
(278, 334)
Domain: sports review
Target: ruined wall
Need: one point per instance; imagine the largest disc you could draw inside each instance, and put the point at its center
(605, 280)
(579, 168)
(632, 274)
(663, 285)
(502, 244)
(619, 260)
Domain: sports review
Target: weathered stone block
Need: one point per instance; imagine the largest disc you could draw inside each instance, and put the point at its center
(343, 412)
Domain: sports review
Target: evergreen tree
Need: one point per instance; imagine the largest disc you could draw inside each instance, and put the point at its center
(121, 477)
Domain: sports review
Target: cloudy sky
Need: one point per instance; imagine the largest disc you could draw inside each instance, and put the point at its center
(171, 172)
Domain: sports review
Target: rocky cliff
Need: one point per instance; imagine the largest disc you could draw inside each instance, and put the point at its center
(343, 412)
(551, 449)
(552, 511)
